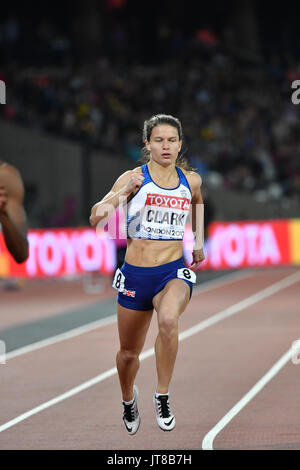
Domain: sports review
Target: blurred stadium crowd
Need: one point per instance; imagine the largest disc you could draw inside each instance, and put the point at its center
(241, 129)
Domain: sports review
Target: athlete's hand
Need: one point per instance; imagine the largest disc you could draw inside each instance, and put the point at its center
(135, 181)
(3, 200)
(198, 257)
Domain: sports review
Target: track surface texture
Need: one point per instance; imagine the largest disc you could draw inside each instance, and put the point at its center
(235, 384)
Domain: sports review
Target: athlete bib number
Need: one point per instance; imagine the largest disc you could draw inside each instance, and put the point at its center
(188, 274)
(119, 281)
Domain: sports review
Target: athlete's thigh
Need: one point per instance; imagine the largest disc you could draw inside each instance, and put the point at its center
(133, 326)
(173, 298)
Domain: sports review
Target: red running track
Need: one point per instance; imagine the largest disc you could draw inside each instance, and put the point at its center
(231, 335)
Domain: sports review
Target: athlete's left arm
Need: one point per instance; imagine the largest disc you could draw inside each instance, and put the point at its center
(197, 216)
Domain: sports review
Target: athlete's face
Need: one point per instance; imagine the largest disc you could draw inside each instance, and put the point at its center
(164, 144)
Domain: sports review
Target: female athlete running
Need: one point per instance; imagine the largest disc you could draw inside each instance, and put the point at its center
(159, 195)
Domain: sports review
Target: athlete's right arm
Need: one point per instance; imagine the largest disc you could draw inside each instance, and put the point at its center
(125, 185)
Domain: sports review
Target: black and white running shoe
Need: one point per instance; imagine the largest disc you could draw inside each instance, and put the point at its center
(164, 416)
(131, 417)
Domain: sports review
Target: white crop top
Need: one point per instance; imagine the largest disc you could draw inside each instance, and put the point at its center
(157, 213)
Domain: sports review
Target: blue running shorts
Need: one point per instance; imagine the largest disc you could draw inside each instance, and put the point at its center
(138, 285)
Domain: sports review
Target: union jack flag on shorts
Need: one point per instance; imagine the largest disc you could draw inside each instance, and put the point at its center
(130, 293)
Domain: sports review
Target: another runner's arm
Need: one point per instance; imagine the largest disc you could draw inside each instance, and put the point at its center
(125, 185)
(12, 213)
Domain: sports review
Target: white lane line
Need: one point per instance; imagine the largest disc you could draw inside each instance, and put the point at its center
(227, 312)
(219, 282)
(207, 443)
(59, 398)
(61, 337)
(150, 352)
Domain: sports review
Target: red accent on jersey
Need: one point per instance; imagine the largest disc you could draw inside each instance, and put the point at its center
(172, 202)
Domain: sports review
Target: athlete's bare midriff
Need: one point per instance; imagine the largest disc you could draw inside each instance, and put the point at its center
(149, 253)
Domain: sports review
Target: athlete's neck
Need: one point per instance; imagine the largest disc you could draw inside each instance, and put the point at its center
(162, 172)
